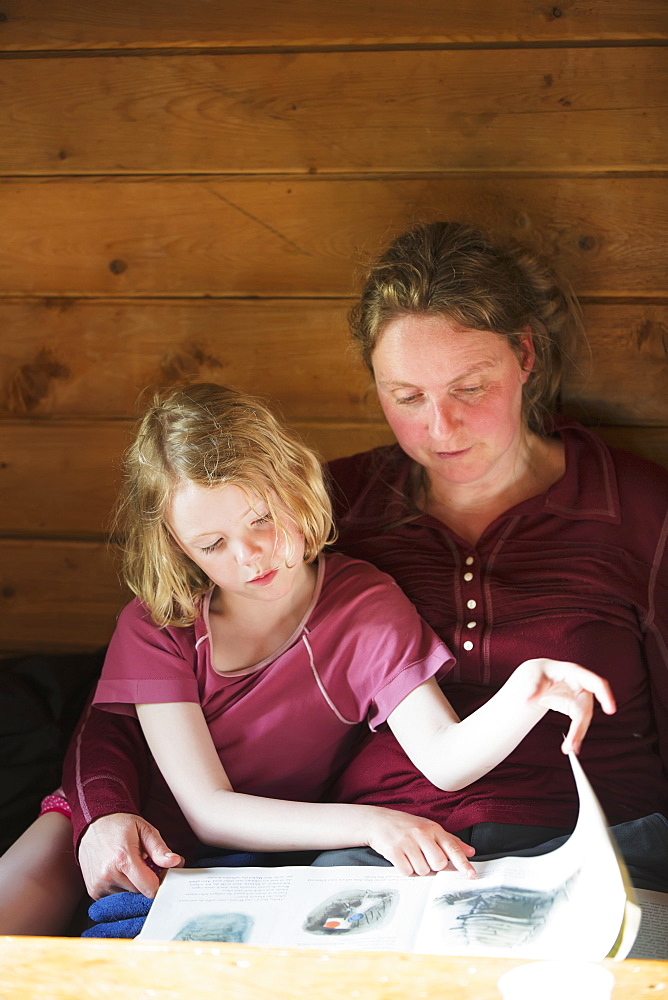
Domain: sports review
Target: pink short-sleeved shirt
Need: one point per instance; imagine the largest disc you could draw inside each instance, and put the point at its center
(285, 726)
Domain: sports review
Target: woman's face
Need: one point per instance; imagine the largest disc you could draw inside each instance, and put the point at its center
(453, 397)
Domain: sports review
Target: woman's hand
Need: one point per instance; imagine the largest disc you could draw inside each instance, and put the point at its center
(416, 846)
(113, 853)
(568, 688)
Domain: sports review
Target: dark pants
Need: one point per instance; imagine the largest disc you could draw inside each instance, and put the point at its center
(643, 843)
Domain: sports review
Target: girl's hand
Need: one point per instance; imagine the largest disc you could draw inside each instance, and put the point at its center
(568, 688)
(417, 846)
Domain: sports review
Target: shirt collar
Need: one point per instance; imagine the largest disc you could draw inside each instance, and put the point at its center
(587, 490)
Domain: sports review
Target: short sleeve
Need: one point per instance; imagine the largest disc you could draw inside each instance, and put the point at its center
(426, 657)
(146, 664)
(371, 647)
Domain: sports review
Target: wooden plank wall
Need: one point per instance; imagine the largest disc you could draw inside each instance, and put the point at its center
(192, 188)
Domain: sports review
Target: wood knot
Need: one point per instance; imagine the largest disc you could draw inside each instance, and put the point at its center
(33, 381)
(651, 338)
(188, 362)
(117, 266)
(586, 242)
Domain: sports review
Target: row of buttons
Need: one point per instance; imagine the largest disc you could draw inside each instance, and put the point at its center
(470, 604)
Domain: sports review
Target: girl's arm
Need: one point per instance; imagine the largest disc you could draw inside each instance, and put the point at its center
(452, 754)
(180, 741)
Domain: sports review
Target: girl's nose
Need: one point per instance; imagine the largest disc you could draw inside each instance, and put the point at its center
(247, 551)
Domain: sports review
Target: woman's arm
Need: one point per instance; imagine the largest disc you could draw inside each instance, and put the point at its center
(453, 753)
(184, 751)
(655, 629)
(105, 773)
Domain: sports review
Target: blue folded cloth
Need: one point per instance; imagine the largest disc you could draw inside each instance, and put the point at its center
(119, 906)
(116, 929)
(120, 915)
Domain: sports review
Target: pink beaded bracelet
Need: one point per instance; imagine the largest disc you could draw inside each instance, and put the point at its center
(56, 803)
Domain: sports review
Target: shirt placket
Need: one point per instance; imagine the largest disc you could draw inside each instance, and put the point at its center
(477, 604)
(470, 630)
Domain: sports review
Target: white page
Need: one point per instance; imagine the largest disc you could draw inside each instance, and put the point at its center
(569, 902)
(364, 908)
(652, 940)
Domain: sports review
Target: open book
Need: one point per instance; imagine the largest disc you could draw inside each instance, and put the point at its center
(575, 902)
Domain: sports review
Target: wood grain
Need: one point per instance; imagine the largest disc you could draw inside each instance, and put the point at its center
(89, 358)
(620, 376)
(76, 358)
(57, 596)
(60, 479)
(31, 25)
(422, 111)
(61, 968)
(287, 237)
(648, 442)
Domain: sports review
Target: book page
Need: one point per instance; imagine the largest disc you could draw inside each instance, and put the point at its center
(350, 907)
(526, 907)
(652, 940)
(572, 901)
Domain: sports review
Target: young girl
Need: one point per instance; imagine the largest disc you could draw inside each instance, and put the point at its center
(253, 659)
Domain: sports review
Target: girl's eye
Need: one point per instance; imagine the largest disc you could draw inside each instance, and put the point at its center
(207, 549)
(265, 519)
(406, 400)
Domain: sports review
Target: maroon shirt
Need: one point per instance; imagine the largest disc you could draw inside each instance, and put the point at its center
(578, 573)
(285, 725)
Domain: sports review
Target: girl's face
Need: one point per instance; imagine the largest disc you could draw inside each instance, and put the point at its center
(235, 542)
(452, 396)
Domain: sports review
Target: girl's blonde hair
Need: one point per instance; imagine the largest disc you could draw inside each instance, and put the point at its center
(453, 270)
(210, 435)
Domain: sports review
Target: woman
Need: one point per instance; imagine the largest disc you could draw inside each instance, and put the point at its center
(514, 535)
(509, 531)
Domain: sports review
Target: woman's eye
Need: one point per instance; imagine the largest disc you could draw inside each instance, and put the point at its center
(470, 390)
(265, 519)
(406, 400)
